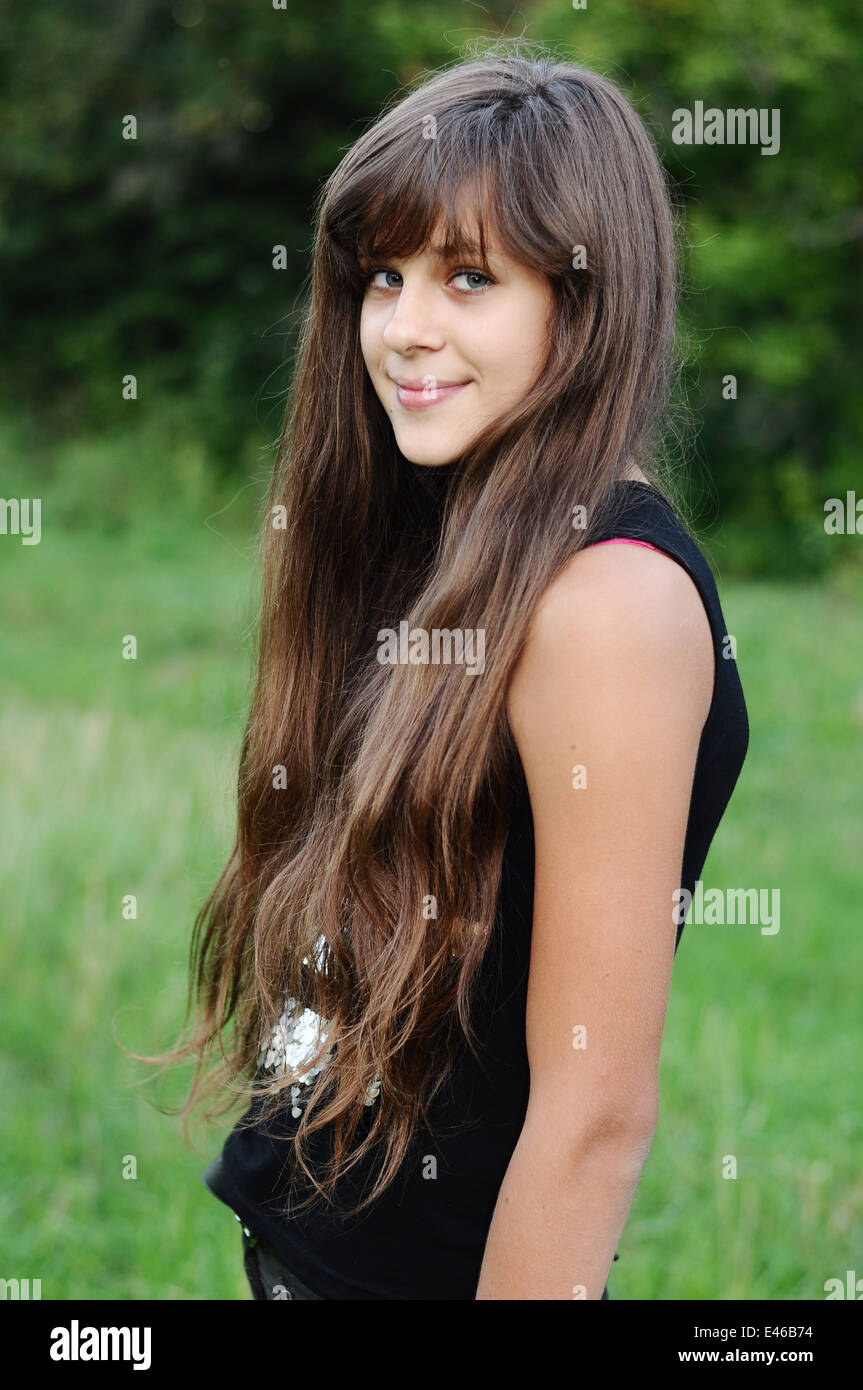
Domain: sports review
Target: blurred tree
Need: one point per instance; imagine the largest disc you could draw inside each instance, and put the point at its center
(773, 274)
(154, 256)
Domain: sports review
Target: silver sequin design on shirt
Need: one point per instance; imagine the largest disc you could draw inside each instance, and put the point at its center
(294, 1040)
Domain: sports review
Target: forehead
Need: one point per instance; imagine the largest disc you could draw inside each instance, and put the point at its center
(441, 223)
(439, 248)
(465, 227)
(443, 255)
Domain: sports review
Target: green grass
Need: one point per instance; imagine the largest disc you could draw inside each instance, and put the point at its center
(118, 779)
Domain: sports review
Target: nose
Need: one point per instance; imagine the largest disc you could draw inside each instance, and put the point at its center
(414, 322)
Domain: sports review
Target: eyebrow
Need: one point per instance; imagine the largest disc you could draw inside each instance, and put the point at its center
(466, 249)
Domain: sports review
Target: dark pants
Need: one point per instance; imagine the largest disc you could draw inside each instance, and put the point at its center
(267, 1276)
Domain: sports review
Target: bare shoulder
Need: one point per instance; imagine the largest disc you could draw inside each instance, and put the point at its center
(619, 616)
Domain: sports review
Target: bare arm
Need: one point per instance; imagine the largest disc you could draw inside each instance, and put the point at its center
(617, 675)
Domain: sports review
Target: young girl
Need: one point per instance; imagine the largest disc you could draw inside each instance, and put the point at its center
(486, 746)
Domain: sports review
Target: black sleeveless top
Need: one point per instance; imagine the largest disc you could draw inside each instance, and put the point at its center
(424, 1237)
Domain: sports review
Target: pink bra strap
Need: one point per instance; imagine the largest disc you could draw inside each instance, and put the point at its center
(624, 540)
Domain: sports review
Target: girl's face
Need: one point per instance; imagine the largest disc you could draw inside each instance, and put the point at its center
(449, 347)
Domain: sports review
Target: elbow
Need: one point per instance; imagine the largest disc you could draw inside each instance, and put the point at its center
(621, 1133)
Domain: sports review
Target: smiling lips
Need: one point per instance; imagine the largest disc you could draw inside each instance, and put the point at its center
(415, 395)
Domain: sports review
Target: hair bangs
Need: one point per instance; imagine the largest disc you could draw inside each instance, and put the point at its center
(453, 202)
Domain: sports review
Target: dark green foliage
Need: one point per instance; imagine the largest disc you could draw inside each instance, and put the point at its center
(154, 256)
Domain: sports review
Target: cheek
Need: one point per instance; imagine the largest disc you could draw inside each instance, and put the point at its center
(364, 336)
(513, 355)
(370, 338)
(531, 338)
(515, 345)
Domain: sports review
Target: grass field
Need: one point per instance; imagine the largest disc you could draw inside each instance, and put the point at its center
(117, 779)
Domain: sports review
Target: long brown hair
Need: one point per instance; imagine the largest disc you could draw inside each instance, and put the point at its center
(367, 791)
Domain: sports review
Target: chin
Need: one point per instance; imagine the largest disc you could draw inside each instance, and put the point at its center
(427, 457)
